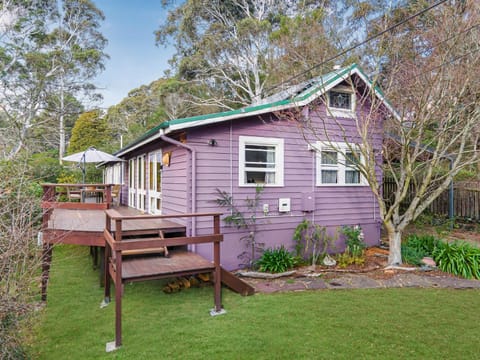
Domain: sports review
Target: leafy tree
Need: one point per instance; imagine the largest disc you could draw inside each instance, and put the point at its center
(48, 52)
(301, 41)
(148, 105)
(76, 48)
(24, 71)
(227, 45)
(90, 130)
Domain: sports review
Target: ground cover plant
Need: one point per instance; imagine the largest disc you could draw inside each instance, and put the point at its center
(416, 247)
(276, 260)
(457, 257)
(334, 324)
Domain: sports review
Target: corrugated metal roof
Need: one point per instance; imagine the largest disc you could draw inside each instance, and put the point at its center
(293, 96)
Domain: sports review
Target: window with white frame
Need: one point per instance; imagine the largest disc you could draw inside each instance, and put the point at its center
(341, 99)
(260, 161)
(114, 174)
(337, 165)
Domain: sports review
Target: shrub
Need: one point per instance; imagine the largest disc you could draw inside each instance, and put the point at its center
(354, 240)
(416, 247)
(423, 243)
(312, 240)
(276, 260)
(458, 258)
(20, 261)
(346, 259)
(412, 255)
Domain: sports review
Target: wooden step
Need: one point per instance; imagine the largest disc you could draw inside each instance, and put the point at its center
(160, 250)
(236, 284)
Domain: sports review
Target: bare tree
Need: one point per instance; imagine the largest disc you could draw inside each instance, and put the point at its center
(433, 90)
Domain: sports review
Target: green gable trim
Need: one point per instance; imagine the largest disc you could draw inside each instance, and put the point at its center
(321, 85)
(254, 108)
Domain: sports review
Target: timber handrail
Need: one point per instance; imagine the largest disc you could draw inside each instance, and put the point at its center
(156, 242)
(116, 247)
(56, 196)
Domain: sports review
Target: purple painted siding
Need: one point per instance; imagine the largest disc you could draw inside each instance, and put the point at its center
(217, 167)
(176, 192)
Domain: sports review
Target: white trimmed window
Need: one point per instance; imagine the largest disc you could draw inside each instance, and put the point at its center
(336, 165)
(260, 161)
(341, 101)
(114, 174)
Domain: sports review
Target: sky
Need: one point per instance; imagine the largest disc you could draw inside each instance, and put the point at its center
(135, 60)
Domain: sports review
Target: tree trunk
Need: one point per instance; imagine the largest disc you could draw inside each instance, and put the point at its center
(395, 243)
(61, 122)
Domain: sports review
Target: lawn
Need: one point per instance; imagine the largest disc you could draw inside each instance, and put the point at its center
(327, 324)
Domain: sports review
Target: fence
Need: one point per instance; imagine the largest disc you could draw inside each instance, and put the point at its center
(466, 199)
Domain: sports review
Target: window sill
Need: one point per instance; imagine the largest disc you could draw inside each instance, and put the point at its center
(262, 185)
(341, 185)
(341, 113)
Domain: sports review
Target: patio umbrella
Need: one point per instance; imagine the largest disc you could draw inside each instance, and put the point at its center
(91, 155)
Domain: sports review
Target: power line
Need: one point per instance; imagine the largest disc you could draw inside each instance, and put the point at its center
(421, 12)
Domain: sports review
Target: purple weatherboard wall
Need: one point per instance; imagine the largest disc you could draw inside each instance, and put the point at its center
(208, 159)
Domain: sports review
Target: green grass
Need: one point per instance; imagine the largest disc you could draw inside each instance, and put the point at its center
(329, 324)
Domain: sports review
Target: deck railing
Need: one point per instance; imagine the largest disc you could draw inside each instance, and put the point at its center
(116, 246)
(77, 196)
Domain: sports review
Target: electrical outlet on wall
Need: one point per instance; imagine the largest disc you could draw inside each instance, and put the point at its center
(265, 209)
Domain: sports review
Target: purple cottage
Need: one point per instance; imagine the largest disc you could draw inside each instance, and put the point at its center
(298, 146)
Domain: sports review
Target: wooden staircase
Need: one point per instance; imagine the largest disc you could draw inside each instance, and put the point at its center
(236, 284)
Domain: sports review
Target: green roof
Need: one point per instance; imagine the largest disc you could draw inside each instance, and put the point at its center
(290, 96)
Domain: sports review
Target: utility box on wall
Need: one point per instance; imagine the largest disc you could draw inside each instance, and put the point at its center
(308, 201)
(284, 205)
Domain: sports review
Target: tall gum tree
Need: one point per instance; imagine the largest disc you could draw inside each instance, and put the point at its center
(228, 45)
(49, 50)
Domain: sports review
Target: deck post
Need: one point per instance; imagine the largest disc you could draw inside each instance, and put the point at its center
(118, 230)
(46, 261)
(118, 299)
(47, 247)
(118, 285)
(106, 273)
(216, 262)
(108, 195)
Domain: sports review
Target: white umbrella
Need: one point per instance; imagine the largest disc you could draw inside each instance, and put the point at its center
(91, 155)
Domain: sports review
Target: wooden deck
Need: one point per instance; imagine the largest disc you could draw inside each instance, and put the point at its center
(159, 267)
(121, 267)
(85, 227)
(134, 243)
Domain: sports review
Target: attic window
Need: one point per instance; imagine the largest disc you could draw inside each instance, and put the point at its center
(340, 99)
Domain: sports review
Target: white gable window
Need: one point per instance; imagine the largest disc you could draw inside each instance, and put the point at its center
(341, 101)
(337, 165)
(260, 161)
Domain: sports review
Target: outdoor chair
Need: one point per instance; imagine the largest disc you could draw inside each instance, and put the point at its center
(116, 195)
(91, 192)
(74, 195)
